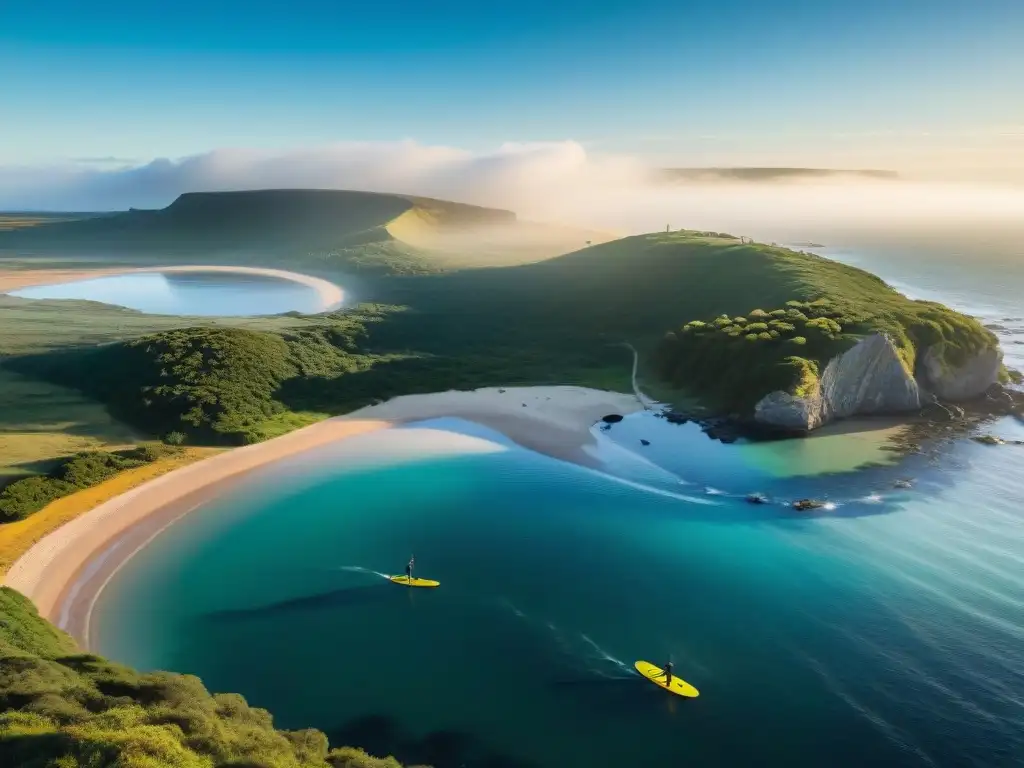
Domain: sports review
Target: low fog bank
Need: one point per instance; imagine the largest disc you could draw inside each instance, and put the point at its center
(552, 182)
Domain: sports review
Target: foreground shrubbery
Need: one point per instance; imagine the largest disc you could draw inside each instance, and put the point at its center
(22, 498)
(60, 708)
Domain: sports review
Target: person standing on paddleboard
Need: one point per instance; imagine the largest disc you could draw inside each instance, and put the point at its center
(668, 673)
(408, 568)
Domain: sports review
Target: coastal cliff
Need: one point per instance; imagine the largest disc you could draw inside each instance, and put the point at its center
(872, 379)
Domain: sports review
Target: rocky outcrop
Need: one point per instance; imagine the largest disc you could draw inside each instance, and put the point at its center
(869, 378)
(962, 382)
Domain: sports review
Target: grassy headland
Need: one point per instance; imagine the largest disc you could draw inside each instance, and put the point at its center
(61, 707)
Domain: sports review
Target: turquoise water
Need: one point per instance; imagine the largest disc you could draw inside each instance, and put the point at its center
(188, 293)
(889, 631)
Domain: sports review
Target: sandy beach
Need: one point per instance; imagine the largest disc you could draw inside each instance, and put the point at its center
(64, 572)
(331, 296)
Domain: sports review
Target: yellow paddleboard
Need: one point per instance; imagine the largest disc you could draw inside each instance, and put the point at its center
(405, 581)
(657, 676)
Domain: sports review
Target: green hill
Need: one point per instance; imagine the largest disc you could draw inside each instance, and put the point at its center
(638, 288)
(353, 231)
(61, 708)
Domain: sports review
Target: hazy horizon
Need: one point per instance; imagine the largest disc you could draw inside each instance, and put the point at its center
(556, 182)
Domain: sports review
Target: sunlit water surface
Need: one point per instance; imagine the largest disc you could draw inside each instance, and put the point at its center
(188, 293)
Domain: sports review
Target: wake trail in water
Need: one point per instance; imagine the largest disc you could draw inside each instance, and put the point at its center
(569, 644)
(605, 656)
(658, 491)
(360, 569)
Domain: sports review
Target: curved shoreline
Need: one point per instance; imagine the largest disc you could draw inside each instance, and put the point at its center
(331, 295)
(64, 573)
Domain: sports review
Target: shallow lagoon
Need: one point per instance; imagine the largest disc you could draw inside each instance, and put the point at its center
(196, 293)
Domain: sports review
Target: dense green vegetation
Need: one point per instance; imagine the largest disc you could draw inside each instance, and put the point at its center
(737, 360)
(61, 708)
(22, 498)
(222, 385)
(210, 384)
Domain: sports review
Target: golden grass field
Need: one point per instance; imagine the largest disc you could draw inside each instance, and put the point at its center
(17, 538)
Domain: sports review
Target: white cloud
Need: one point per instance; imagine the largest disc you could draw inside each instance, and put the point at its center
(506, 176)
(546, 181)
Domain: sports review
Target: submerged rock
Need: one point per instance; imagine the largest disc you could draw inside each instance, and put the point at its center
(807, 504)
(612, 418)
(644, 442)
(903, 483)
(988, 440)
(756, 498)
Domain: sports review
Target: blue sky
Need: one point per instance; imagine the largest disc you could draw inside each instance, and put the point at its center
(864, 82)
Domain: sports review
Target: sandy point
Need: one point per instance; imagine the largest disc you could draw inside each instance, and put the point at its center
(64, 572)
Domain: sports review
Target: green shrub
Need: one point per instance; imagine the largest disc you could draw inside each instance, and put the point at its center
(71, 710)
(22, 498)
(175, 438)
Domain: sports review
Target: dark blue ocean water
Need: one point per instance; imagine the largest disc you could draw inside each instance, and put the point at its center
(188, 293)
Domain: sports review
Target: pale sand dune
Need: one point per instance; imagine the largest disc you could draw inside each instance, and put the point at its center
(64, 571)
(331, 296)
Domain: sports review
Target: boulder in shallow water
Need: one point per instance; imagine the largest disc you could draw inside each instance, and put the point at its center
(612, 418)
(804, 505)
(644, 442)
(988, 440)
